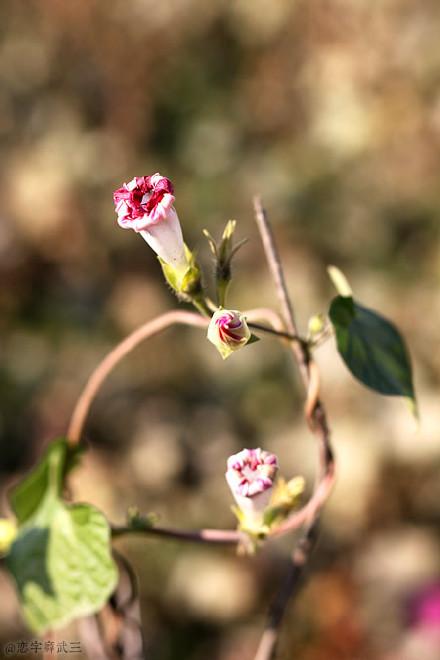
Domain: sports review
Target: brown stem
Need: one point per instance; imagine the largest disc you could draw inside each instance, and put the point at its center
(316, 418)
(288, 588)
(225, 536)
(103, 369)
(276, 269)
(278, 333)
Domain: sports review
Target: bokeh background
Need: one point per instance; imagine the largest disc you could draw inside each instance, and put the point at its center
(329, 109)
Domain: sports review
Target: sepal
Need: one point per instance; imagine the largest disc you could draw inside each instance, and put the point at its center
(186, 283)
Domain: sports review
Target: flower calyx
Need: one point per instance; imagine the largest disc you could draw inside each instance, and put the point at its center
(285, 498)
(186, 284)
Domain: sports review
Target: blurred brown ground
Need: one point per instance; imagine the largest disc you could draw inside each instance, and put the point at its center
(329, 109)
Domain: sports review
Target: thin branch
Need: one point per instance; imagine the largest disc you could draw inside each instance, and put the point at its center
(110, 361)
(224, 536)
(276, 269)
(278, 333)
(128, 609)
(316, 418)
(275, 266)
(316, 413)
(289, 587)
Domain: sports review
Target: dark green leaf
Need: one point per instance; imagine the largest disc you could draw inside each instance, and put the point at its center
(50, 472)
(372, 348)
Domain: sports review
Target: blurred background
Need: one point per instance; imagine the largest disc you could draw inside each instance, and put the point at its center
(329, 109)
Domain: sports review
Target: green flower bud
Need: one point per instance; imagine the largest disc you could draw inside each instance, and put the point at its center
(8, 532)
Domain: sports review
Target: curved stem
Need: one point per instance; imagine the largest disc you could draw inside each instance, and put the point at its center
(266, 314)
(313, 409)
(145, 331)
(110, 361)
(296, 520)
(103, 369)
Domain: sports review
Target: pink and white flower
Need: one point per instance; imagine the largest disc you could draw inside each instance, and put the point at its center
(228, 331)
(251, 475)
(145, 204)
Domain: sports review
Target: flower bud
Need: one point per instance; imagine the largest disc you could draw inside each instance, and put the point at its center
(316, 324)
(145, 204)
(228, 331)
(223, 253)
(250, 475)
(286, 497)
(8, 532)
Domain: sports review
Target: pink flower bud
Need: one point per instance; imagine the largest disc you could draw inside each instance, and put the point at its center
(228, 331)
(250, 475)
(145, 204)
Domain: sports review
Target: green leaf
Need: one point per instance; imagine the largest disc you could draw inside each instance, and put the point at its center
(61, 557)
(372, 348)
(63, 566)
(49, 474)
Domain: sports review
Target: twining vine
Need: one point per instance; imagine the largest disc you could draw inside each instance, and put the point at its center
(60, 553)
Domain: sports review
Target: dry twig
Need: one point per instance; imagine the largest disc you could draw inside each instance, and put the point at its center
(316, 417)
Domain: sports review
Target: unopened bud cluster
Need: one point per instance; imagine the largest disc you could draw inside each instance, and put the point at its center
(146, 205)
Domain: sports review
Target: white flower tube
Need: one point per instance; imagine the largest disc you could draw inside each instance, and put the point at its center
(166, 239)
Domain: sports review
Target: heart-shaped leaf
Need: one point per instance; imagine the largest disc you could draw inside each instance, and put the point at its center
(61, 557)
(64, 568)
(372, 348)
